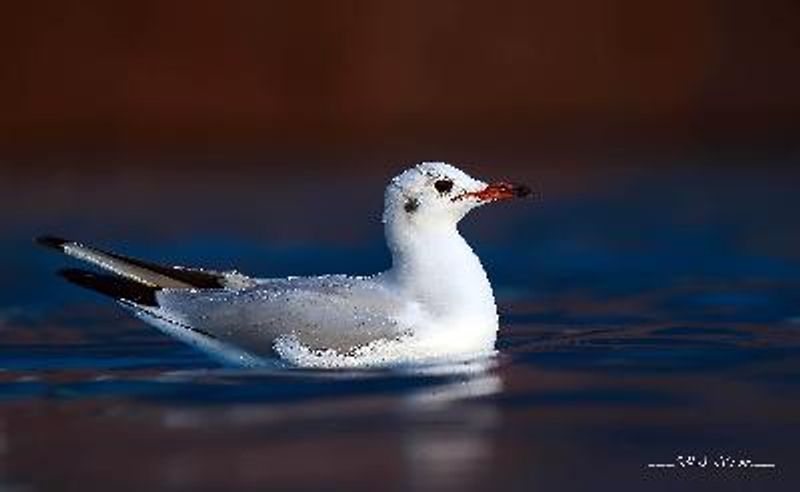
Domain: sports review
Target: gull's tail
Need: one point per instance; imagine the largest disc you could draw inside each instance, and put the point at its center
(133, 280)
(136, 284)
(119, 288)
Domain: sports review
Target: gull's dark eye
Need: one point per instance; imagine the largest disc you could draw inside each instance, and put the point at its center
(443, 186)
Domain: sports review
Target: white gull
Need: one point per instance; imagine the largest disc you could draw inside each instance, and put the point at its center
(434, 302)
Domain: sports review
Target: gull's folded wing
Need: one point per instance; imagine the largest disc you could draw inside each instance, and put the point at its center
(331, 312)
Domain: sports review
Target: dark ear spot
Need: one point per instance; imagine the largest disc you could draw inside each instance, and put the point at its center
(411, 206)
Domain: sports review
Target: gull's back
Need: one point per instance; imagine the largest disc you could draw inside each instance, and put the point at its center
(329, 312)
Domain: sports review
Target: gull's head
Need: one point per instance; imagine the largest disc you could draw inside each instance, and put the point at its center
(438, 194)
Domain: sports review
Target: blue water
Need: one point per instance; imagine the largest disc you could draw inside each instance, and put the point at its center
(646, 316)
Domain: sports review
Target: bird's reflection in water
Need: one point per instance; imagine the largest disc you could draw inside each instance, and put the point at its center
(455, 442)
(422, 388)
(462, 380)
(436, 422)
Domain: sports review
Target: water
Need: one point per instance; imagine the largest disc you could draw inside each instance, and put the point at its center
(647, 316)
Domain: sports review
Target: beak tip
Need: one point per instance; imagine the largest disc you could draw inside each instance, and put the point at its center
(522, 191)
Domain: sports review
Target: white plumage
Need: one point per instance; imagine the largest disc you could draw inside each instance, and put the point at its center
(434, 302)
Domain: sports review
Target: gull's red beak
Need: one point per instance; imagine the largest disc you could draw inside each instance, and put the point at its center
(498, 191)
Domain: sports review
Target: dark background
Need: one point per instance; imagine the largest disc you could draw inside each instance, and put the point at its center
(374, 82)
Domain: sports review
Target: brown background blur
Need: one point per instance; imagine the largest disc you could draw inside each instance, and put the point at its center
(132, 77)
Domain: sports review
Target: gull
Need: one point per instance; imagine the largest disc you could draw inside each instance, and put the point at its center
(434, 302)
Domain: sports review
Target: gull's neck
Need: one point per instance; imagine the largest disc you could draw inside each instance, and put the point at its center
(433, 265)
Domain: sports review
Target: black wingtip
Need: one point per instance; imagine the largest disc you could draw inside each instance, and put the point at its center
(51, 242)
(116, 287)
